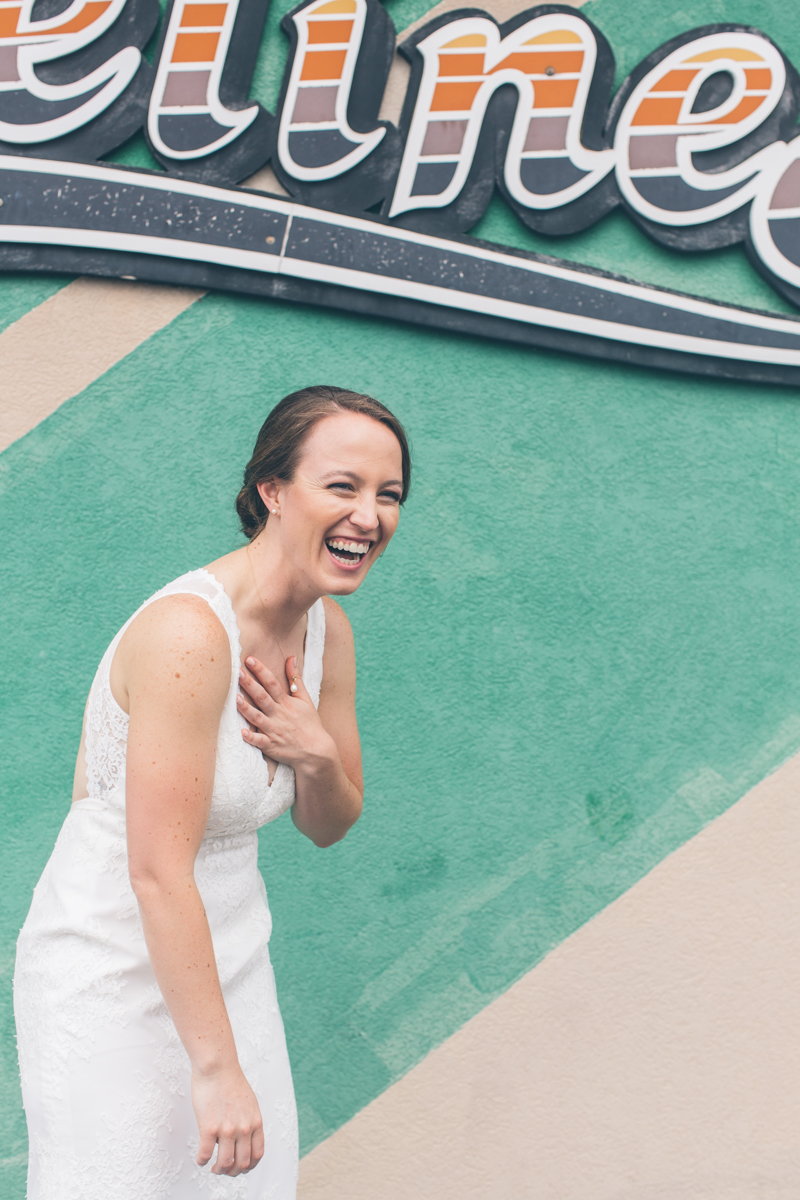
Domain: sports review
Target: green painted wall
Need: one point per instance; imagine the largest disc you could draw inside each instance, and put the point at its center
(581, 647)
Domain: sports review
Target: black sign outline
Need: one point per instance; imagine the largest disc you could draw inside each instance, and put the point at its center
(114, 221)
(385, 267)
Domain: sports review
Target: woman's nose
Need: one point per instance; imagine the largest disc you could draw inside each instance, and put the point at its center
(365, 514)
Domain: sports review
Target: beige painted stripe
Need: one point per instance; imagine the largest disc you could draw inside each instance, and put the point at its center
(655, 1055)
(61, 346)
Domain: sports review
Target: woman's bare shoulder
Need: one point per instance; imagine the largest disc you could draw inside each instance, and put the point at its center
(180, 619)
(177, 639)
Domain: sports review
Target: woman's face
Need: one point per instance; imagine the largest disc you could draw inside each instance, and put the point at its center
(339, 512)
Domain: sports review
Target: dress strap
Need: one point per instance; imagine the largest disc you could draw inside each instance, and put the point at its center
(203, 583)
(315, 646)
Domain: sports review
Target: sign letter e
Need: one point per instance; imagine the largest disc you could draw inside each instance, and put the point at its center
(32, 110)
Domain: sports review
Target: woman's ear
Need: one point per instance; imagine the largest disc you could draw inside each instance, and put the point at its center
(268, 491)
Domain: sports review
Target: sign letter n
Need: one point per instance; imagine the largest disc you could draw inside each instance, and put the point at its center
(554, 72)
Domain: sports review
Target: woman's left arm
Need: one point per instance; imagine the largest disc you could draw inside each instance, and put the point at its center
(321, 745)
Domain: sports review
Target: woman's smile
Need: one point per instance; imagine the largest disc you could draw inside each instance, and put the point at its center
(348, 553)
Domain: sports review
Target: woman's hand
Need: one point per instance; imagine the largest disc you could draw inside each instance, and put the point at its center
(322, 747)
(286, 728)
(228, 1117)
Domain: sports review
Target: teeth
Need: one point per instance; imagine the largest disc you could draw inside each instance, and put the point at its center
(353, 547)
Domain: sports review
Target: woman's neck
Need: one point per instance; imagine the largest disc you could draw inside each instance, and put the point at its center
(259, 580)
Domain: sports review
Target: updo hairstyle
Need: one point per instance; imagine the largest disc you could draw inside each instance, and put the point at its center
(282, 437)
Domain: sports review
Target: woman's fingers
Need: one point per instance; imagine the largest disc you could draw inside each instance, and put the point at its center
(206, 1148)
(237, 1155)
(255, 692)
(254, 715)
(265, 678)
(228, 1117)
(256, 1147)
(226, 1155)
(244, 1155)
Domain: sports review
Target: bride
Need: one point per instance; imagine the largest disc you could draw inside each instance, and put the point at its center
(148, 1027)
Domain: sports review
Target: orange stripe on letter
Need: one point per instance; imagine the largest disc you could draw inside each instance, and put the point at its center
(8, 21)
(454, 97)
(554, 93)
(91, 13)
(674, 81)
(203, 14)
(195, 47)
(746, 105)
(329, 31)
(461, 64)
(324, 64)
(658, 112)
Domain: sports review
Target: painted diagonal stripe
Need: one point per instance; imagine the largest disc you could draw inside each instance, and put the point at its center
(59, 348)
(654, 1055)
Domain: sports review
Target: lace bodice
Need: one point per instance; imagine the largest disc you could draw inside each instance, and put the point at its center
(242, 797)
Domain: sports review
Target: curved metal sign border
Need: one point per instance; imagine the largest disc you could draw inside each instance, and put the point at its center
(114, 221)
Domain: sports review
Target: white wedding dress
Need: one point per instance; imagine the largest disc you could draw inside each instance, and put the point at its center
(105, 1078)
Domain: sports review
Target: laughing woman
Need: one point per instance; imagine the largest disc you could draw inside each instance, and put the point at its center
(148, 1026)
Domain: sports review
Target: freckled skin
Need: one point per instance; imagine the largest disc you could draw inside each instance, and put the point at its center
(171, 674)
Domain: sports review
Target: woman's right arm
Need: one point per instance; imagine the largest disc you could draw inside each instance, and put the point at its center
(172, 672)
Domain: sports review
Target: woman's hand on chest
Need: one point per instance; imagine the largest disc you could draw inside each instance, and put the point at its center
(284, 724)
(322, 747)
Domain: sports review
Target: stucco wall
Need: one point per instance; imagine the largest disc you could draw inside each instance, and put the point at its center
(581, 648)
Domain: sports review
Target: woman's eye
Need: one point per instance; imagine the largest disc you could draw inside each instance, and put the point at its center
(393, 496)
(347, 486)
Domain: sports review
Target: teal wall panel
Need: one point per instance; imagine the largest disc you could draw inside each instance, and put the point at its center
(580, 648)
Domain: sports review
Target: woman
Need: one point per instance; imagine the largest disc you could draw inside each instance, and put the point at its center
(148, 1026)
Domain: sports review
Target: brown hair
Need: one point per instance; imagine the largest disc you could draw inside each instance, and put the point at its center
(283, 434)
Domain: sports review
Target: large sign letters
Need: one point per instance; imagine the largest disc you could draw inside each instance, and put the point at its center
(699, 146)
(554, 154)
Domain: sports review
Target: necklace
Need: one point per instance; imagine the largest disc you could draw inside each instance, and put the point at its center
(270, 630)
